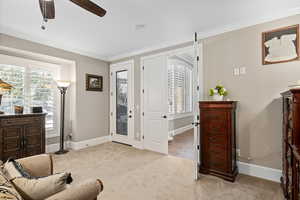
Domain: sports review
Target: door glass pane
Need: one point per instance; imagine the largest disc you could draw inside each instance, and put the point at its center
(122, 104)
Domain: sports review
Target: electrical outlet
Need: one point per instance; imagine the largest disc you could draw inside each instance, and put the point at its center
(238, 152)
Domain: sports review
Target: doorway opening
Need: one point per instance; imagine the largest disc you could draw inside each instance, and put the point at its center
(180, 103)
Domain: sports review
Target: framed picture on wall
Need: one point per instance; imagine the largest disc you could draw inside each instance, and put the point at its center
(280, 45)
(94, 83)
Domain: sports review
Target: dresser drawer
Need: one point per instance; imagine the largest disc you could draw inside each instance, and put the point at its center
(20, 121)
(217, 139)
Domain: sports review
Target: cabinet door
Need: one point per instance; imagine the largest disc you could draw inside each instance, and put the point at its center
(32, 140)
(11, 142)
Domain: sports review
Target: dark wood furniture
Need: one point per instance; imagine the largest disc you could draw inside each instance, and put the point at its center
(218, 139)
(22, 135)
(291, 143)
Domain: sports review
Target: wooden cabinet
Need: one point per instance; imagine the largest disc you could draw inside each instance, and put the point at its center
(291, 143)
(217, 138)
(22, 135)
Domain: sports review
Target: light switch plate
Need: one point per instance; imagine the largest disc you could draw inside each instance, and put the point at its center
(243, 70)
(236, 71)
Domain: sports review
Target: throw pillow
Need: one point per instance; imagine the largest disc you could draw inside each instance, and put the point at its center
(35, 188)
(7, 190)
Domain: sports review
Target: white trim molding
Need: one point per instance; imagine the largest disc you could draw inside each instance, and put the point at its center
(138, 144)
(51, 148)
(260, 171)
(178, 131)
(89, 143)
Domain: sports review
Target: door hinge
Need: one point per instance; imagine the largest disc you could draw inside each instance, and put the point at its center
(143, 91)
(198, 58)
(198, 117)
(198, 88)
(198, 147)
(111, 114)
(111, 73)
(143, 114)
(143, 137)
(196, 37)
(143, 68)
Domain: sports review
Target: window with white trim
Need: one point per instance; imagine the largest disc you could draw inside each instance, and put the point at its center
(32, 86)
(179, 87)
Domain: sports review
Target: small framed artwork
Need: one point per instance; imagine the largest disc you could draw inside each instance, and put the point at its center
(94, 83)
(280, 45)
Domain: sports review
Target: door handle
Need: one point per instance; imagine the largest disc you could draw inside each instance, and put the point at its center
(165, 116)
(195, 124)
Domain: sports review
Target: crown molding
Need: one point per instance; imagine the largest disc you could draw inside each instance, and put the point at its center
(202, 35)
(206, 34)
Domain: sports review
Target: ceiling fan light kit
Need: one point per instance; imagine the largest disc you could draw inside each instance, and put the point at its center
(48, 9)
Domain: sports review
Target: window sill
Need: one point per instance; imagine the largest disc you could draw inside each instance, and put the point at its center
(179, 116)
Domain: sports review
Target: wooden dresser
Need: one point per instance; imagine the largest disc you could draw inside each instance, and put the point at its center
(218, 139)
(22, 135)
(291, 144)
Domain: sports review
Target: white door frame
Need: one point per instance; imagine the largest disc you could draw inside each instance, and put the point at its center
(127, 65)
(198, 91)
(165, 53)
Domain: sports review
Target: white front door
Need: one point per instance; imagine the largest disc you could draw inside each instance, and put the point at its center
(155, 103)
(122, 102)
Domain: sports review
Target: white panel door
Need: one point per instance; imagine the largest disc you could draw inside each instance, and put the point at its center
(155, 103)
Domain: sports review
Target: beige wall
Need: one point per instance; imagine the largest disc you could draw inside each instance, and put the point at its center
(258, 92)
(91, 119)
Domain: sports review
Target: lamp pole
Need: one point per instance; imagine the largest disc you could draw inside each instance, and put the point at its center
(63, 91)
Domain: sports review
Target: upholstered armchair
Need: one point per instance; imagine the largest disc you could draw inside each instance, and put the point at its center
(42, 165)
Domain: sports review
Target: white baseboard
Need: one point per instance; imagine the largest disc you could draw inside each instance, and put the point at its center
(181, 130)
(260, 171)
(51, 148)
(89, 143)
(78, 145)
(138, 144)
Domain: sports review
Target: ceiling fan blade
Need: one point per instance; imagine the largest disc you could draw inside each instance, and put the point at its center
(47, 9)
(90, 6)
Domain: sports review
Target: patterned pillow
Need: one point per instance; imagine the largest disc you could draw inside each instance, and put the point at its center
(7, 190)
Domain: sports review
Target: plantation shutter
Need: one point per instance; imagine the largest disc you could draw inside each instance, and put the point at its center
(179, 89)
(33, 86)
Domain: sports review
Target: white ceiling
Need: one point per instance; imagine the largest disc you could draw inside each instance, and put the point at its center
(168, 22)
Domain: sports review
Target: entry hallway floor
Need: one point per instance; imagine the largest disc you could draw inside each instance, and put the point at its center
(131, 174)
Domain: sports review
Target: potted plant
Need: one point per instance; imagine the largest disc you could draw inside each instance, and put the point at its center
(218, 93)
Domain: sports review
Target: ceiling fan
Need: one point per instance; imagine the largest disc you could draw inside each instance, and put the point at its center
(48, 8)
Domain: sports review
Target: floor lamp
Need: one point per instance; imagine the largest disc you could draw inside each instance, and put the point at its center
(62, 86)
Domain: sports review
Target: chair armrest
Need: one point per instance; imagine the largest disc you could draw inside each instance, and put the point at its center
(40, 165)
(86, 191)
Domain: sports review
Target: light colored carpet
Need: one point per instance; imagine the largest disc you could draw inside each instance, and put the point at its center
(131, 174)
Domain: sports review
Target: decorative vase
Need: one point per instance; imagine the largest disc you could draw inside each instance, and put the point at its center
(218, 97)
